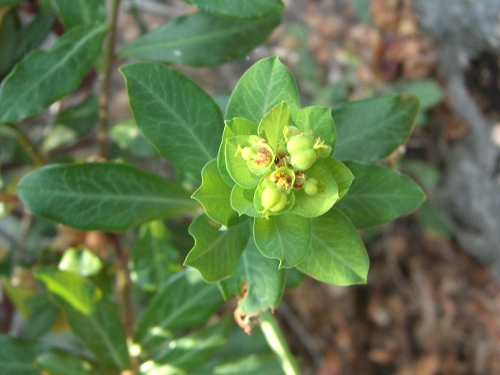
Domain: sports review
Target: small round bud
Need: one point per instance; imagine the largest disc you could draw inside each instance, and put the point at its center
(311, 186)
(273, 199)
(246, 153)
(303, 160)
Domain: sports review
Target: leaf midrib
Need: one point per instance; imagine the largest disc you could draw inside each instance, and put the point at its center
(54, 67)
(170, 44)
(179, 119)
(109, 196)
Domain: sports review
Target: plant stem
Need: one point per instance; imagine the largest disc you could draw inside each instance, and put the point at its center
(124, 288)
(25, 143)
(277, 342)
(109, 57)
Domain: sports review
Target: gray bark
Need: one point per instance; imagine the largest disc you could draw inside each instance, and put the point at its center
(471, 186)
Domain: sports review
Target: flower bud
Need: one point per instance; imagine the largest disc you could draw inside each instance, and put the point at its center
(273, 199)
(311, 186)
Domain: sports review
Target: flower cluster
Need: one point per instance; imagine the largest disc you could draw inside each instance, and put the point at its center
(284, 169)
(278, 162)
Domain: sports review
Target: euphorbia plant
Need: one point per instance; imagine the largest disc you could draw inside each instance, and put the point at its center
(275, 193)
(279, 191)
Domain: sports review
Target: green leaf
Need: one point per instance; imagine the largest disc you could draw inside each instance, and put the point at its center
(16, 41)
(42, 318)
(81, 12)
(264, 364)
(128, 136)
(65, 364)
(232, 128)
(337, 254)
(18, 356)
(10, 37)
(174, 114)
(319, 120)
(104, 196)
(201, 39)
(286, 237)
(183, 302)
(243, 9)
(9, 2)
(214, 196)
(369, 130)
(79, 293)
(242, 201)
(80, 261)
(216, 251)
(428, 92)
(342, 174)
(324, 199)
(101, 332)
(258, 282)
(153, 259)
(272, 124)
(192, 350)
(265, 85)
(378, 195)
(45, 77)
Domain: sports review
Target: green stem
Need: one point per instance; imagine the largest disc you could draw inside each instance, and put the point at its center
(277, 342)
(109, 57)
(25, 143)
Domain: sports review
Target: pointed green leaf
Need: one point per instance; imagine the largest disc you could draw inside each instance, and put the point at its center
(175, 114)
(242, 201)
(234, 127)
(214, 195)
(369, 130)
(194, 349)
(105, 196)
(183, 302)
(378, 195)
(201, 39)
(65, 364)
(258, 278)
(266, 84)
(18, 356)
(101, 332)
(337, 254)
(80, 12)
(94, 322)
(272, 124)
(243, 9)
(323, 200)
(286, 237)
(79, 293)
(342, 174)
(216, 252)
(153, 259)
(42, 78)
(319, 120)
